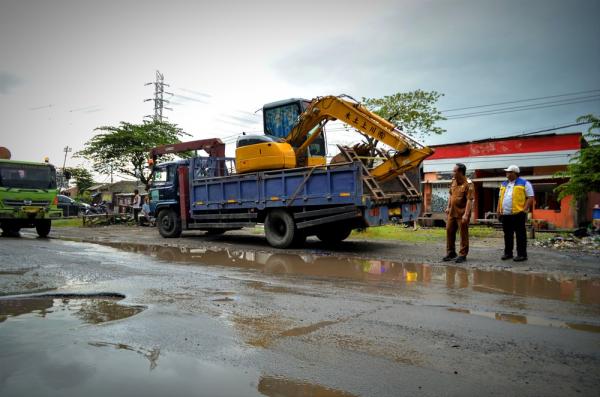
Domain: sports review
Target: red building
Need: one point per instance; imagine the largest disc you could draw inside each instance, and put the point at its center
(539, 157)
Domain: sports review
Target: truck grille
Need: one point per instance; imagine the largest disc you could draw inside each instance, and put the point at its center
(20, 203)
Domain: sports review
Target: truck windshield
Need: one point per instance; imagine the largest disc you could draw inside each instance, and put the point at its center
(163, 175)
(27, 176)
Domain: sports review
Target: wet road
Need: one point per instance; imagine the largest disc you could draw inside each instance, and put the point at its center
(131, 319)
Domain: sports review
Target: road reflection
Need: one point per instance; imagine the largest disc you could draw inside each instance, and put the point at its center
(538, 285)
(531, 320)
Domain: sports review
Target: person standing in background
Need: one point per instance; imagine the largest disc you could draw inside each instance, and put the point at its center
(136, 205)
(460, 204)
(515, 201)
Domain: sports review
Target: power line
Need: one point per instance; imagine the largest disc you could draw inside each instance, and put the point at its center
(560, 127)
(519, 100)
(523, 108)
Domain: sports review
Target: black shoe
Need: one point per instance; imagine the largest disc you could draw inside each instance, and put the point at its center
(461, 259)
(520, 258)
(449, 257)
(506, 256)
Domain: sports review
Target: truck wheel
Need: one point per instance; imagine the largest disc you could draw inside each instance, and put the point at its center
(169, 224)
(43, 227)
(334, 234)
(280, 229)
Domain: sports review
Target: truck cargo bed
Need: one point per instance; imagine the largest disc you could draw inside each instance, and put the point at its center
(335, 185)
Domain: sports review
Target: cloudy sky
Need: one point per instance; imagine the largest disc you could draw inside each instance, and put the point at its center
(67, 67)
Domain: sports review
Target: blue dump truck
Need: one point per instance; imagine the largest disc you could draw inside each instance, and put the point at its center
(282, 178)
(329, 201)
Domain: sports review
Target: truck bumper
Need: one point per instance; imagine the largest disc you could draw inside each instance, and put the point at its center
(30, 213)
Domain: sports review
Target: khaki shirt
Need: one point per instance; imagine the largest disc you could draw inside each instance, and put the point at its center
(459, 195)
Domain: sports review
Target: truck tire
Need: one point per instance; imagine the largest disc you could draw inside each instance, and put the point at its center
(43, 227)
(280, 229)
(334, 234)
(169, 223)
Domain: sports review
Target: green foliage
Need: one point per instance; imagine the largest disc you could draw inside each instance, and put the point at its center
(124, 148)
(67, 222)
(413, 112)
(83, 178)
(84, 196)
(584, 169)
(421, 235)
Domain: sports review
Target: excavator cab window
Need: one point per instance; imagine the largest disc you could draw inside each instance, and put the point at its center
(279, 120)
(317, 148)
(280, 117)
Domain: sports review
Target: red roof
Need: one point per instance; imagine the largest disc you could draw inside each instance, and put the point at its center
(511, 145)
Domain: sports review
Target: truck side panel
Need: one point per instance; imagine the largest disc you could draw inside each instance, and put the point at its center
(332, 185)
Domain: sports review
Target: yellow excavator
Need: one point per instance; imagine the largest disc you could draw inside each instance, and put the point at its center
(295, 137)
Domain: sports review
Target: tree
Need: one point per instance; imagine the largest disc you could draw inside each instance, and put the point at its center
(83, 178)
(414, 112)
(584, 169)
(124, 148)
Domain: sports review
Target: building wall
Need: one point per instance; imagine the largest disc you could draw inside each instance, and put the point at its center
(539, 156)
(563, 219)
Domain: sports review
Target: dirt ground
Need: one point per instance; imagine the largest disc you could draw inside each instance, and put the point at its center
(120, 310)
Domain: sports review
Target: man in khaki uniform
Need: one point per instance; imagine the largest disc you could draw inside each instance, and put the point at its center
(460, 204)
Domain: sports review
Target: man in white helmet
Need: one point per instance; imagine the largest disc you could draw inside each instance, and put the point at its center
(515, 201)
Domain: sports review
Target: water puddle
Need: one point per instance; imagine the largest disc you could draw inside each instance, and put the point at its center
(45, 351)
(277, 387)
(91, 309)
(582, 290)
(531, 320)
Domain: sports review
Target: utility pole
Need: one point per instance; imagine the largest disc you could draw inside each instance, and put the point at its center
(62, 181)
(67, 150)
(159, 101)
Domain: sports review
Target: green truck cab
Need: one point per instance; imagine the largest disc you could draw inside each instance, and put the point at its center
(28, 196)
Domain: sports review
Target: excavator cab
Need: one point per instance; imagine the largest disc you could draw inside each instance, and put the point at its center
(280, 118)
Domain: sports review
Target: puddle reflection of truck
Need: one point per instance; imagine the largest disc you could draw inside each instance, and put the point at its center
(281, 178)
(28, 196)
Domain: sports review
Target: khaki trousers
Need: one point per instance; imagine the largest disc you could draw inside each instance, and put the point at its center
(452, 226)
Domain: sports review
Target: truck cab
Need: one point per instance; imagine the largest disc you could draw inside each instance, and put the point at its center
(28, 196)
(164, 190)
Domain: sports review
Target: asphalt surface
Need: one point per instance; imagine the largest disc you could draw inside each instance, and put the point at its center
(229, 316)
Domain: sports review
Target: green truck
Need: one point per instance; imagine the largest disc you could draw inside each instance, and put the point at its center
(28, 196)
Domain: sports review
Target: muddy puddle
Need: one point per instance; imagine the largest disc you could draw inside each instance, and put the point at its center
(50, 346)
(531, 320)
(582, 290)
(93, 309)
(278, 387)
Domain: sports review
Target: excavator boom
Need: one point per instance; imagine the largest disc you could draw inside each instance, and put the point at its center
(406, 152)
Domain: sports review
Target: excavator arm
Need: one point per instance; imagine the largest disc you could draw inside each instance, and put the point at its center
(405, 154)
